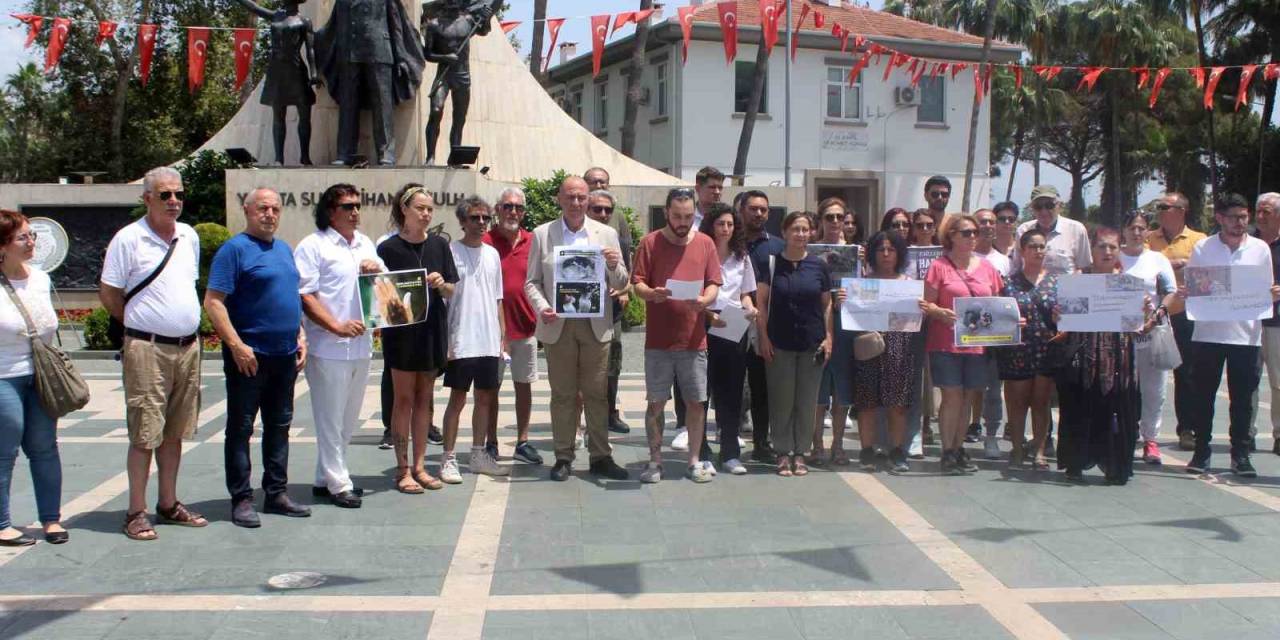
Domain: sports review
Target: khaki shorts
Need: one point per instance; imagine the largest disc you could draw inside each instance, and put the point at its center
(524, 361)
(161, 391)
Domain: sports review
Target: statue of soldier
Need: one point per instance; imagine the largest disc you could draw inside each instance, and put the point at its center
(447, 27)
(370, 45)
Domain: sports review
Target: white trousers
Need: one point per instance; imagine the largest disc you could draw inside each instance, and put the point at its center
(337, 391)
(1271, 356)
(1151, 384)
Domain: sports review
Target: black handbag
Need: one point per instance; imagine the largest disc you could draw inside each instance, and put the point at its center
(115, 328)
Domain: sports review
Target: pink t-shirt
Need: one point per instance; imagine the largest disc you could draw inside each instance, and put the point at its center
(952, 283)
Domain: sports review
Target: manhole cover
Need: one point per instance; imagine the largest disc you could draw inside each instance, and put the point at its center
(297, 580)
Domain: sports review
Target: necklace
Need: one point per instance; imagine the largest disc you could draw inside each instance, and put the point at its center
(417, 252)
(472, 256)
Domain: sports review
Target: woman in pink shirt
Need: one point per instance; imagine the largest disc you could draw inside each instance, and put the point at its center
(961, 373)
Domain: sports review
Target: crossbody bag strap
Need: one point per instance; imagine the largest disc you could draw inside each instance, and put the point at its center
(962, 274)
(22, 308)
(173, 244)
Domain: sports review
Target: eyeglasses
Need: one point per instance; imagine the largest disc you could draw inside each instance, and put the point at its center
(925, 226)
(349, 206)
(1007, 219)
(832, 217)
(939, 194)
(167, 195)
(601, 209)
(900, 225)
(965, 233)
(1044, 206)
(1242, 218)
(478, 219)
(1164, 206)
(29, 236)
(986, 222)
(509, 206)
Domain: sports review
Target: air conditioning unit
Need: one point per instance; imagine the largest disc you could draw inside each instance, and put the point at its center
(906, 96)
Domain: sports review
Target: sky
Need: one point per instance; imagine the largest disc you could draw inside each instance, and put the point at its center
(13, 33)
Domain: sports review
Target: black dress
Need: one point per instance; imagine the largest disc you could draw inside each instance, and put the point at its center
(287, 81)
(423, 346)
(1099, 405)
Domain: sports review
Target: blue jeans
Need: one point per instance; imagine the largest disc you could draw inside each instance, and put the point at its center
(270, 393)
(24, 423)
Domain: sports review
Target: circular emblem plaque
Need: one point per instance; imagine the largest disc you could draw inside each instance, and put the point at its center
(52, 244)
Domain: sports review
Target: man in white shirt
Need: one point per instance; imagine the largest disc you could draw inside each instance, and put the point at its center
(476, 326)
(161, 354)
(329, 263)
(1067, 240)
(1235, 344)
(1268, 230)
(990, 408)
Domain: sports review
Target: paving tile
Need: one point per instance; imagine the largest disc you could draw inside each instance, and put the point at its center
(1101, 621)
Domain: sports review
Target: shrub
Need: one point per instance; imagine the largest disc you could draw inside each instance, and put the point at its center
(212, 237)
(540, 199)
(95, 329)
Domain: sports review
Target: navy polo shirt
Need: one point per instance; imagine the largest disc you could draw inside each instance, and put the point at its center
(260, 281)
(796, 319)
(759, 251)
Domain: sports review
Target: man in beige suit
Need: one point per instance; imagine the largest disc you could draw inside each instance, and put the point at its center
(577, 348)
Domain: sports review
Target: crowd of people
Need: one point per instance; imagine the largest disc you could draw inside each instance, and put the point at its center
(492, 304)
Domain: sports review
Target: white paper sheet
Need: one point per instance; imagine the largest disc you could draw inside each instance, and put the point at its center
(1228, 293)
(873, 304)
(1101, 302)
(736, 323)
(684, 289)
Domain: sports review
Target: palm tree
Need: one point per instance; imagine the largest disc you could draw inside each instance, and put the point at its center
(1194, 9)
(1248, 31)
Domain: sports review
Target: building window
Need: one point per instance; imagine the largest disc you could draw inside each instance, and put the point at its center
(933, 94)
(660, 89)
(743, 74)
(602, 106)
(843, 101)
(573, 104)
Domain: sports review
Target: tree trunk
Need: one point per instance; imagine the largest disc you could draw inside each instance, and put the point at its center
(123, 64)
(753, 109)
(1018, 137)
(1112, 217)
(1076, 205)
(1268, 110)
(631, 110)
(539, 28)
(1213, 147)
(977, 103)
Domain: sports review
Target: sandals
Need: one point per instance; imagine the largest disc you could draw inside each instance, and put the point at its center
(801, 469)
(427, 480)
(405, 482)
(137, 526)
(180, 515)
(1040, 464)
(784, 466)
(839, 458)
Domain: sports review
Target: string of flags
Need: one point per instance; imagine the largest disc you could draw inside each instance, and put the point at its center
(771, 14)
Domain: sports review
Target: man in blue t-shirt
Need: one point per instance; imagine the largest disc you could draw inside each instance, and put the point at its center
(253, 303)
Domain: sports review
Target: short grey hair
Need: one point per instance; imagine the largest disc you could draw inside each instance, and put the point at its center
(471, 203)
(603, 193)
(157, 174)
(511, 191)
(252, 198)
(1272, 198)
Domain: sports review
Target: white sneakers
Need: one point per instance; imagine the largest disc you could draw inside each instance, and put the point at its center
(991, 448)
(483, 463)
(449, 471)
(681, 441)
(700, 473)
(652, 473)
(735, 467)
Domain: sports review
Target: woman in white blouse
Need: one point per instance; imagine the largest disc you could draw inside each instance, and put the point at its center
(24, 424)
(1155, 270)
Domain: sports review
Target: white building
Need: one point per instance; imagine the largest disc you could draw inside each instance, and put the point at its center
(872, 143)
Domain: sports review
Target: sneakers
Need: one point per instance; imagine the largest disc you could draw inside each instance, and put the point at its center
(482, 463)
(1151, 452)
(385, 442)
(681, 441)
(449, 471)
(948, 464)
(492, 449)
(867, 459)
(526, 453)
(735, 467)
(916, 450)
(1241, 466)
(711, 468)
(579, 440)
(964, 462)
(1187, 440)
(652, 473)
(991, 448)
(974, 434)
(898, 462)
(434, 436)
(1199, 463)
(698, 473)
(607, 468)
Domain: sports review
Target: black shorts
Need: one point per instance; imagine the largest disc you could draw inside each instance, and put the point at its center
(462, 373)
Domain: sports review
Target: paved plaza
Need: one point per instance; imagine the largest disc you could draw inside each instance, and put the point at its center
(1002, 554)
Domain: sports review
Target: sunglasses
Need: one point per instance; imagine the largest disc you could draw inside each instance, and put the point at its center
(1044, 206)
(518, 208)
(349, 206)
(833, 217)
(900, 225)
(965, 233)
(479, 219)
(599, 209)
(168, 195)
(682, 192)
(927, 226)
(939, 194)
(1007, 219)
(1165, 207)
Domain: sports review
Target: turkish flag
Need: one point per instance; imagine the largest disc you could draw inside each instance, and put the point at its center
(1246, 76)
(641, 16)
(197, 53)
(243, 40)
(769, 18)
(599, 31)
(1198, 74)
(858, 67)
(57, 41)
(1214, 76)
(686, 30)
(919, 71)
(1047, 72)
(1144, 75)
(818, 19)
(622, 20)
(553, 27)
(508, 25)
(957, 68)
(33, 26)
(1161, 75)
(146, 47)
(804, 13)
(1090, 77)
(106, 31)
(895, 60)
(1017, 76)
(729, 29)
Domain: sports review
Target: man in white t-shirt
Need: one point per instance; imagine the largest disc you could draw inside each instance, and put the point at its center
(161, 354)
(476, 326)
(990, 408)
(1238, 345)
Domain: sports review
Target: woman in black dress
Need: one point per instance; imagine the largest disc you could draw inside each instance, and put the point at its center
(416, 353)
(288, 81)
(1098, 389)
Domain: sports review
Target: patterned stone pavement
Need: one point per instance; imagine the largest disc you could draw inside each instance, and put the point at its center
(1001, 554)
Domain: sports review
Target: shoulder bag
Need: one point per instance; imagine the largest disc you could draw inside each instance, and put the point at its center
(59, 386)
(115, 328)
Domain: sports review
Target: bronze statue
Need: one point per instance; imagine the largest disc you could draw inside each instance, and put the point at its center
(370, 56)
(447, 28)
(289, 81)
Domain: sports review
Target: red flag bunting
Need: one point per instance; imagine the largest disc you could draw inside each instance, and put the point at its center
(1017, 76)
(876, 50)
(197, 53)
(858, 41)
(641, 16)
(769, 19)
(147, 36)
(939, 68)
(1161, 75)
(1246, 76)
(1198, 74)
(599, 32)
(729, 29)
(242, 39)
(978, 84)
(508, 25)
(858, 67)
(33, 26)
(795, 40)
(57, 41)
(1144, 74)
(956, 68)
(686, 30)
(915, 77)
(553, 27)
(896, 60)
(818, 19)
(1047, 72)
(1271, 71)
(1215, 75)
(106, 31)
(622, 20)
(1089, 77)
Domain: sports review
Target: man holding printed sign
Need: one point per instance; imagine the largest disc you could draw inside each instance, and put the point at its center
(1225, 287)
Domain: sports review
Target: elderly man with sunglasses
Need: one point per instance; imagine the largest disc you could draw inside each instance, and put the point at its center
(1067, 240)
